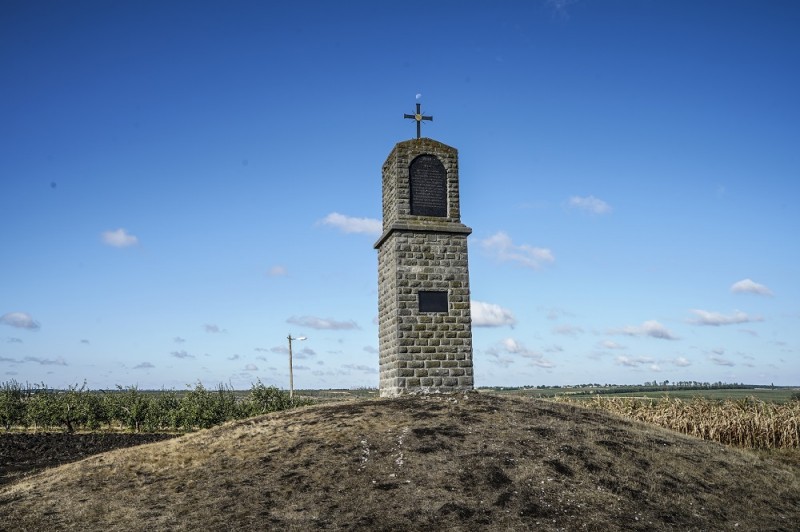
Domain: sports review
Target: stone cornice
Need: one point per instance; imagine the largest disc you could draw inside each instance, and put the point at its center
(424, 227)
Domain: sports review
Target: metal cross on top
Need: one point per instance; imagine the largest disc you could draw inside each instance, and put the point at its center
(419, 117)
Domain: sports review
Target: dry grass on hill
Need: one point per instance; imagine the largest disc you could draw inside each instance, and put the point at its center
(460, 462)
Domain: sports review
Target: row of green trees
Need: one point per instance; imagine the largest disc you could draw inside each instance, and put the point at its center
(78, 408)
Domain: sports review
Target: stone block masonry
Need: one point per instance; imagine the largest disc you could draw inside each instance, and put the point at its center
(425, 325)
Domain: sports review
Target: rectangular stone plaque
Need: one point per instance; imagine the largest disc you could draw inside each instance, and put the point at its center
(430, 301)
(428, 186)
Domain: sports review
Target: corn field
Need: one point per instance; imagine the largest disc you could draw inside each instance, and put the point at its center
(749, 423)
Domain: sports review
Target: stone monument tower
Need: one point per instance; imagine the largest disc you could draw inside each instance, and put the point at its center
(425, 326)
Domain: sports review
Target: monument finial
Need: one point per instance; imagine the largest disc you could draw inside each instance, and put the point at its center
(418, 118)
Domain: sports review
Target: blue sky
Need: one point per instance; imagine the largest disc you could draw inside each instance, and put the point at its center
(183, 184)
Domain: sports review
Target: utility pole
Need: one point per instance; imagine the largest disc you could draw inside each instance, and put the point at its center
(291, 368)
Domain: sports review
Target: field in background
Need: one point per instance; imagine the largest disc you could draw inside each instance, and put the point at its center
(758, 417)
(776, 394)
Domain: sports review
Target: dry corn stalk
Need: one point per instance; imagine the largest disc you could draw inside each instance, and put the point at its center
(749, 422)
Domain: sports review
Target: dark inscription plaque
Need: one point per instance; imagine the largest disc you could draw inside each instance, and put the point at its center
(428, 181)
(432, 301)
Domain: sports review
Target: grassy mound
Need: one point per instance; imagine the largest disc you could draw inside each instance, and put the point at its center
(467, 461)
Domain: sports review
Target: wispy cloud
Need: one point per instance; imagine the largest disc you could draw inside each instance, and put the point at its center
(370, 349)
(12, 340)
(491, 315)
(681, 362)
(119, 238)
(322, 323)
(633, 362)
(178, 340)
(251, 367)
(501, 246)
(650, 328)
(21, 320)
(58, 361)
(212, 328)
(610, 344)
(510, 346)
(297, 352)
(589, 204)
(721, 361)
(350, 224)
(181, 354)
(715, 319)
(555, 313)
(305, 352)
(567, 330)
(362, 368)
(748, 286)
(144, 365)
(559, 7)
(277, 271)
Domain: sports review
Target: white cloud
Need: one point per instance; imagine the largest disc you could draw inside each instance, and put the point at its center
(491, 315)
(251, 367)
(748, 286)
(650, 328)
(277, 271)
(322, 323)
(370, 349)
(501, 246)
(349, 224)
(21, 320)
(119, 238)
(681, 362)
(715, 319)
(590, 204)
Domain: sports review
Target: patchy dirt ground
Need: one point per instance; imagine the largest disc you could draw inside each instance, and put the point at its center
(461, 462)
(25, 453)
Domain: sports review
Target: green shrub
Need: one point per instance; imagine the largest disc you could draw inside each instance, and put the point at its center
(12, 405)
(264, 399)
(131, 407)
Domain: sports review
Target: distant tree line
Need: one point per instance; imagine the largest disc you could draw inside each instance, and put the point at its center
(77, 408)
(647, 386)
